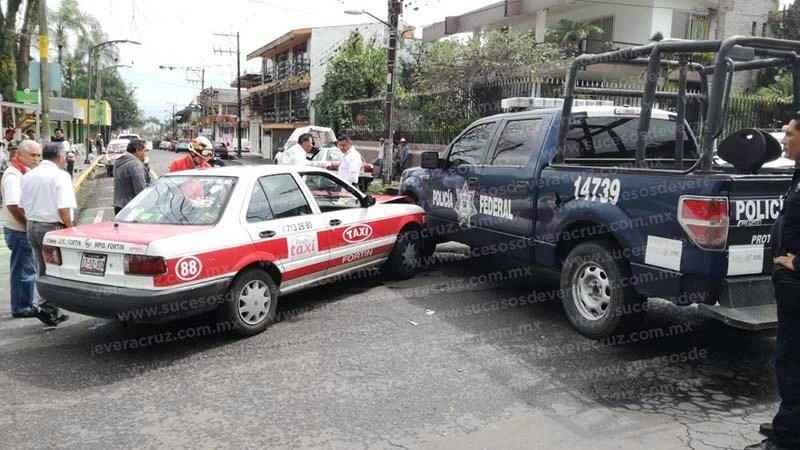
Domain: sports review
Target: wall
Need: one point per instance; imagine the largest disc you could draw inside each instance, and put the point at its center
(324, 43)
(740, 22)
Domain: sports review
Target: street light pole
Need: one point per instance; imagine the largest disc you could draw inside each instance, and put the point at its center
(238, 88)
(395, 9)
(44, 46)
(92, 49)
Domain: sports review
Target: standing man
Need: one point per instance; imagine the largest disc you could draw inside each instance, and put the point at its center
(48, 199)
(403, 158)
(200, 153)
(98, 144)
(129, 175)
(784, 431)
(297, 155)
(23, 269)
(351, 164)
(60, 138)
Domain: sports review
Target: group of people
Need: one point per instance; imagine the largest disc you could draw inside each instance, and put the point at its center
(38, 197)
(305, 153)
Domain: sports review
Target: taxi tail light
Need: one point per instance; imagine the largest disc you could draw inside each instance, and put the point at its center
(705, 220)
(145, 265)
(51, 255)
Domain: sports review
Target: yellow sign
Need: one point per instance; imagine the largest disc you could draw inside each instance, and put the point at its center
(44, 46)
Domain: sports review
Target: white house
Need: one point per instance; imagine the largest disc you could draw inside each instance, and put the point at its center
(625, 23)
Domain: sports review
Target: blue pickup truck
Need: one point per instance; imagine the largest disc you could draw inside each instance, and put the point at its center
(625, 203)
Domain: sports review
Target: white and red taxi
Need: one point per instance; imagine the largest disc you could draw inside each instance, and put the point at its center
(232, 238)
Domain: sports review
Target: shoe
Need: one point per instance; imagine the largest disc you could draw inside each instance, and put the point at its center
(766, 444)
(24, 313)
(767, 430)
(46, 317)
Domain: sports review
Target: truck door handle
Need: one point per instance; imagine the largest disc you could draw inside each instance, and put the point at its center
(335, 222)
(267, 234)
(521, 184)
(472, 180)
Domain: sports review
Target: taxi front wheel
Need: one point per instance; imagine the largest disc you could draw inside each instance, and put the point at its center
(405, 258)
(252, 302)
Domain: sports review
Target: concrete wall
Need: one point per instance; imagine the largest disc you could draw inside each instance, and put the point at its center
(740, 22)
(324, 43)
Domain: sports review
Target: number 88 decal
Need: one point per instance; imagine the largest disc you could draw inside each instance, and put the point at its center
(603, 190)
(188, 268)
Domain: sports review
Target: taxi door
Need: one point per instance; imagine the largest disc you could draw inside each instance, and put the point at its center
(280, 220)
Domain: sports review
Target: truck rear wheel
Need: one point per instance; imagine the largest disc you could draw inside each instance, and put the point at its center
(596, 291)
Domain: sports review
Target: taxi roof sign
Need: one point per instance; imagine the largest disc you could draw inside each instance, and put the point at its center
(528, 103)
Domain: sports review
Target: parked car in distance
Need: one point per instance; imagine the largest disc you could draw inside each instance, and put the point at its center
(182, 146)
(221, 150)
(115, 149)
(166, 145)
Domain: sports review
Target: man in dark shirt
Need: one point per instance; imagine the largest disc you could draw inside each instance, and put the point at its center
(784, 431)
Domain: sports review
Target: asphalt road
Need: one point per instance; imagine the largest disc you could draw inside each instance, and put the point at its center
(447, 360)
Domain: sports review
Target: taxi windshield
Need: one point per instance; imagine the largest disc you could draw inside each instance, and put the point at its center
(180, 200)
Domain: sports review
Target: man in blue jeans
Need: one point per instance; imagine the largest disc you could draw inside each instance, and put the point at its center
(23, 269)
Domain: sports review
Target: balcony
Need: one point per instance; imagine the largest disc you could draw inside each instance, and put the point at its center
(287, 115)
(287, 69)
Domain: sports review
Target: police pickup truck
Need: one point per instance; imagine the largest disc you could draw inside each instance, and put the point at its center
(625, 203)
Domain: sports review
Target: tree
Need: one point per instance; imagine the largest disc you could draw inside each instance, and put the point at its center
(571, 35)
(15, 44)
(357, 71)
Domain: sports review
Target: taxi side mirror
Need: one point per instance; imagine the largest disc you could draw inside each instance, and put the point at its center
(430, 160)
(368, 201)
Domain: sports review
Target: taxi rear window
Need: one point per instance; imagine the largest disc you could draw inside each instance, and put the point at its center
(180, 200)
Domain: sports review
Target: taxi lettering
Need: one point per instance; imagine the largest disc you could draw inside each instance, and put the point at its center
(357, 233)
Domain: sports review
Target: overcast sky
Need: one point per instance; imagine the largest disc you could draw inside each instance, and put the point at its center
(180, 33)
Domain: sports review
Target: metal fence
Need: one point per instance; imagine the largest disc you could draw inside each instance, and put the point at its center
(437, 118)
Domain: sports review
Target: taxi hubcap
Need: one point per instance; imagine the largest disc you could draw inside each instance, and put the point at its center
(591, 291)
(254, 302)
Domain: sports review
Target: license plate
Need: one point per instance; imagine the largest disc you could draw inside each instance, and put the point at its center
(93, 264)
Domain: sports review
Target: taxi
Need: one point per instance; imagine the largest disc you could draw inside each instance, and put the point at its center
(231, 239)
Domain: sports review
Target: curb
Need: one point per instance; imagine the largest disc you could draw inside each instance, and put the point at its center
(85, 174)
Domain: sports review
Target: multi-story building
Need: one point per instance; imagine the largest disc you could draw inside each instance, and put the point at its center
(219, 115)
(624, 23)
(293, 72)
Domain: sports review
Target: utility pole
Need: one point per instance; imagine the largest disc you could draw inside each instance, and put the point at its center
(44, 46)
(238, 87)
(395, 9)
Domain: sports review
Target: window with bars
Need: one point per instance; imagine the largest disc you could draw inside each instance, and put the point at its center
(690, 26)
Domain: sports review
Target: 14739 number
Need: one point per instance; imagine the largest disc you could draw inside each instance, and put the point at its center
(593, 189)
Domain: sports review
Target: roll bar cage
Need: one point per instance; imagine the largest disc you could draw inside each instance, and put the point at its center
(762, 53)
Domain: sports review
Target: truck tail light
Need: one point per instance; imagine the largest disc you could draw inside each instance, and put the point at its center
(144, 265)
(705, 220)
(51, 255)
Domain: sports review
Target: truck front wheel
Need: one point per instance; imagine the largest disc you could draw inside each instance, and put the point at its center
(596, 290)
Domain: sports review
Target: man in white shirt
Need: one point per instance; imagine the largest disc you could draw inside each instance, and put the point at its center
(23, 268)
(297, 155)
(48, 199)
(351, 164)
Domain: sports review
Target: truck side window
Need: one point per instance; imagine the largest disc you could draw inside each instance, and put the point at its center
(519, 141)
(473, 145)
(615, 138)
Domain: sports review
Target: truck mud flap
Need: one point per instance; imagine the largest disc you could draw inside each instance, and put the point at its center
(751, 318)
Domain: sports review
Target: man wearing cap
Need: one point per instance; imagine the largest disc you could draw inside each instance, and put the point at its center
(200, 153)
(403, 158)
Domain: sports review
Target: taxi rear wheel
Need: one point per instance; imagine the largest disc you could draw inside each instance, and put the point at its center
(252, 302)
(404, 260)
